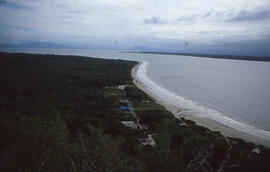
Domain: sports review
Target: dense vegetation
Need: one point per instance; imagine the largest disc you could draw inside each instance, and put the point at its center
(56, 115)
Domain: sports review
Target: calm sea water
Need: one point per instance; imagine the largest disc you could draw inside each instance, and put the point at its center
(237, 89)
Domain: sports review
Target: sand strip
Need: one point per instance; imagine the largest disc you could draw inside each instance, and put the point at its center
(206, 122)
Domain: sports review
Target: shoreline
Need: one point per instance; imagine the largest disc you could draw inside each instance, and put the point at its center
(201, 121)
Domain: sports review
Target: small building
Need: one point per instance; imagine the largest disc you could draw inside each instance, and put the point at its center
(182, 124)
(121, 87)
(130, 124)
(123, 105)
(256, 150)
(114, 92)
(149, 140)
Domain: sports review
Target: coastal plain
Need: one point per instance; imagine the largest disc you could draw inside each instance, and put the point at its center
(71, 113)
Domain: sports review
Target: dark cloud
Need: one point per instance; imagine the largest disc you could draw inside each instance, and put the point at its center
(251, 16)
(13, 5)
(154, 20)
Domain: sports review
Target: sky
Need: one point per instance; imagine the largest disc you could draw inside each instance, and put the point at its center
(176, 25)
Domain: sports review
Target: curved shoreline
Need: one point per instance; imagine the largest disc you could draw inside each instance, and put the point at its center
(248, 133)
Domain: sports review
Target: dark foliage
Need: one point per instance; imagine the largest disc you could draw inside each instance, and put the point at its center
(55, 117)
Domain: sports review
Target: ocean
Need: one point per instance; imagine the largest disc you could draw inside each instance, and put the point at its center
(233, 92)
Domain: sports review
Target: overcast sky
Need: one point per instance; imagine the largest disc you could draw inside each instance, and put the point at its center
(136, 22)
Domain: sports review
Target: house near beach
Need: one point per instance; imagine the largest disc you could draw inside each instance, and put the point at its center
(123, 105)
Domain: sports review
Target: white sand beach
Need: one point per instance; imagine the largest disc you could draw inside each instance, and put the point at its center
(219, 122)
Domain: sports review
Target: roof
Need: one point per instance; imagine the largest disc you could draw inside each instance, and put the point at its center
(256, 150)
(130, 124)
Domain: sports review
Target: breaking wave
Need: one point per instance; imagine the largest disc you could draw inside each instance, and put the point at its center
(193, 108)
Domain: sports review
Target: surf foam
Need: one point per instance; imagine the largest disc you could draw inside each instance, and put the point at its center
(192, 108)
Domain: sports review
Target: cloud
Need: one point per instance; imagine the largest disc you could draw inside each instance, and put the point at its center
(154, 20)
(251, 16)
(85, 21)
(188, 18)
